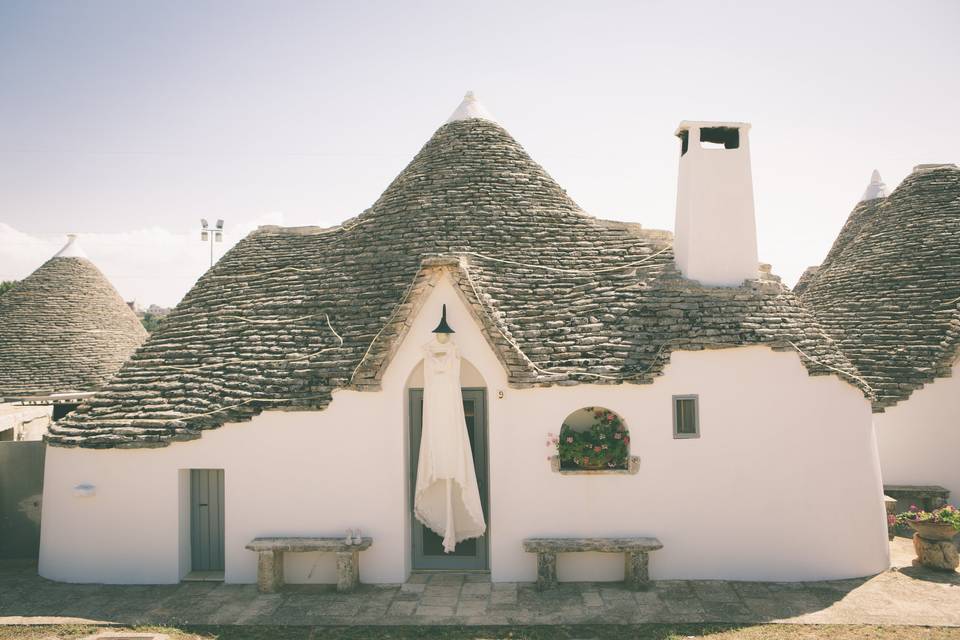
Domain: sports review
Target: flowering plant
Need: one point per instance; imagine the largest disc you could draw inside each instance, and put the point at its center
(944, 515)
(605, 445)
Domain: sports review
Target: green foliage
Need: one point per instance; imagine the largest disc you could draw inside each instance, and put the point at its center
(150, 322)
(946, 515)
(605, 445)
(6, 285)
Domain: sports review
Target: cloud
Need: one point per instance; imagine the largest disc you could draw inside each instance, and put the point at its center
(151, 265)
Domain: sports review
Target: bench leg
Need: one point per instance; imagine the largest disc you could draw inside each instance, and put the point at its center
(636, 573)
(348, 570)
(546, 571)
(270, 571)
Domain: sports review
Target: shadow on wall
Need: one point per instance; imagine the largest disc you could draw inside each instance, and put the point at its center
(21, 494)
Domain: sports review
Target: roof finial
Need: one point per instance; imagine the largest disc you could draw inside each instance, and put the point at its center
(71, 249)
(471, 108)
(876, 189)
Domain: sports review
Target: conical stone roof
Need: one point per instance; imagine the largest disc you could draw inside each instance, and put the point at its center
(888, 290)
(64, 328)
(288, 315)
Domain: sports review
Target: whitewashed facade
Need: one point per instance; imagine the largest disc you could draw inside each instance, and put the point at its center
(777, 447)
(919, 438)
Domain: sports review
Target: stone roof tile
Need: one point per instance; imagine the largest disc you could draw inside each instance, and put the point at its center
(289, 315)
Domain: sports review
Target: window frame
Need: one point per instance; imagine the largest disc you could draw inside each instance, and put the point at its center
(696, 416)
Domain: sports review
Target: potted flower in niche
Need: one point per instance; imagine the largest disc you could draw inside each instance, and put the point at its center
(939, 524)
(605, 445)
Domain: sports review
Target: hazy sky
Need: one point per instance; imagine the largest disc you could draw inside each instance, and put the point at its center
(128, 121)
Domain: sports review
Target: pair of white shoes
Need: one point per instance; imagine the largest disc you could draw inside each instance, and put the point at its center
(353, 537)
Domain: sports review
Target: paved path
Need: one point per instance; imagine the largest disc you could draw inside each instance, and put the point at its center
(899, 596)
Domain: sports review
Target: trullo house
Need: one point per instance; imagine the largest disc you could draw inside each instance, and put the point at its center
(284, 394)
(64, 331)
(888, 292)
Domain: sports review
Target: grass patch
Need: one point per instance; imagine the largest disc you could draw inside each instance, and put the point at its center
(559, 632)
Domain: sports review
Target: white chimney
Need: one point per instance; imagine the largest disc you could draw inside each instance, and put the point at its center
(715, 238)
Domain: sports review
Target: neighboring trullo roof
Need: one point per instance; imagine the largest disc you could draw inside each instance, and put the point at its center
(64, 328)
(867, 205)
(288, 315)
(888, 290)
(804, 280)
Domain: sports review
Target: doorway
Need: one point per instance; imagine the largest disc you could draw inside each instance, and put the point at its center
(206, 520)
(427, 545)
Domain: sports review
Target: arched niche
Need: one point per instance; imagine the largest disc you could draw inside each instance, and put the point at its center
(592, 435)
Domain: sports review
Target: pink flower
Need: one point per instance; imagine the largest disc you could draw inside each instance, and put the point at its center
(596, 449)
(570, 439)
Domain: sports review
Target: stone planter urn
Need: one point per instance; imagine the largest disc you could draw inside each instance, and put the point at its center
(933, 542)
(934, 530)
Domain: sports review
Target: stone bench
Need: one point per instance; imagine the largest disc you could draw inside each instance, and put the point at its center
(271, 550)
(927, 497)
(636, 573)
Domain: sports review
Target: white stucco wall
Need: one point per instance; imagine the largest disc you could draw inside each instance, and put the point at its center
(745, 501)
(919, 438)
(24, 422)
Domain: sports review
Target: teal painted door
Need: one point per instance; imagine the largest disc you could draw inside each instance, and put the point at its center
(427, 545)
(206, 519)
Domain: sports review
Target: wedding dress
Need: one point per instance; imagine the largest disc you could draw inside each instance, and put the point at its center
(447, 498)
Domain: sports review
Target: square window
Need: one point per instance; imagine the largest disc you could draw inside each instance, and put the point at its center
(686, 417)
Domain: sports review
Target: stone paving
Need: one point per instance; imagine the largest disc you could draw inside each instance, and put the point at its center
(903, 595)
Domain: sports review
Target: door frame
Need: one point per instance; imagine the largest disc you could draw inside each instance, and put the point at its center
(481, 562)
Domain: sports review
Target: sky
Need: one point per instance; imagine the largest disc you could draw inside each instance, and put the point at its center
(127, 121)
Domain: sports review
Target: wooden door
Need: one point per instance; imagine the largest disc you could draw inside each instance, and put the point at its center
(206, 519)
(427, 545)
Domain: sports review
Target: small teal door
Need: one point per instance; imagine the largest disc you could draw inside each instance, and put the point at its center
(427, 545)
(206, 519)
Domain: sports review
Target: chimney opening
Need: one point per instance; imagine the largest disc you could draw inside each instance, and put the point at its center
(684, 141)
(720, 137)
